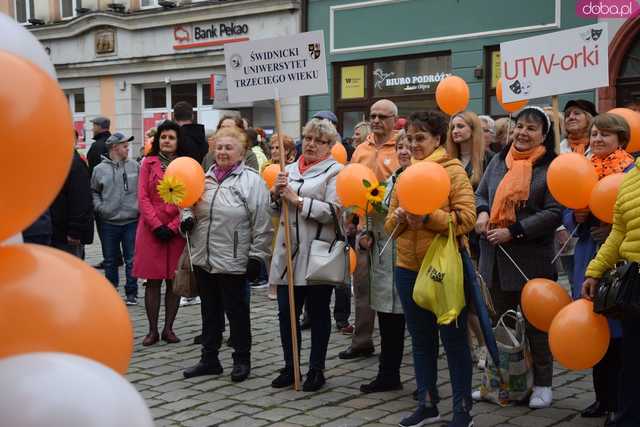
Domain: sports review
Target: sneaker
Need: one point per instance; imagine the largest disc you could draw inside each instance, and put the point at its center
(541, 398)
(258, 284)
(347, 330)
(421, 417)
(481, 354)
(189, 301)
(461, 419)
(131, 300)
(476, 395)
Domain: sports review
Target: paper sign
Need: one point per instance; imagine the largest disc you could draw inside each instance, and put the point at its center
(555, 63)
(293, 66)
(219, 89)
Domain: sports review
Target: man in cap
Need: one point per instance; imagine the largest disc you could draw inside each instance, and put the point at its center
(114, 187)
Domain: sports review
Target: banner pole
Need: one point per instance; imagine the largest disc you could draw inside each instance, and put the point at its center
(556, 121)
(287, 240)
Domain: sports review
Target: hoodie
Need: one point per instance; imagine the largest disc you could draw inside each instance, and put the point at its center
(194, 141)
(114, 187)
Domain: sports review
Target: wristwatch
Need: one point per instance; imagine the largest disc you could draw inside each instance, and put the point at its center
(300, 202)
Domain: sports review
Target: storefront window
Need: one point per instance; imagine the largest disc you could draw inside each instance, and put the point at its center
(417, 76)
(187, 92)
(155, 97)
(206, 94)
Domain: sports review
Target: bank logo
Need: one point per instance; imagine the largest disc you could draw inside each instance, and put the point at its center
(314, 50)
(236, 61)
(181, 34)
(612, 9)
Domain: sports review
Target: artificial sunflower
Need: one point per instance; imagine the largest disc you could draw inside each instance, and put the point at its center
(376, 194)
(171, 190)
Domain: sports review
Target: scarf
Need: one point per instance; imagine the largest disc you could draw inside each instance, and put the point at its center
(164, 160)
(578, 145)
(615, 162)
(221, 173)
(513, 191)
(303, 166)
(436, 155)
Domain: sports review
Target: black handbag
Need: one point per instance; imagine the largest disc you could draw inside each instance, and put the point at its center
(618, 294)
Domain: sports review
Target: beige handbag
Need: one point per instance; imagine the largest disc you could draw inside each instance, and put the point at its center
(329, 261)
(185, 284)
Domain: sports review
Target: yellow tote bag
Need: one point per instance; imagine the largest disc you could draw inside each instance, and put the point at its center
(439, 287)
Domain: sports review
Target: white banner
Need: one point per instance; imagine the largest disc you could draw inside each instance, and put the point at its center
(555, 63)
(293, 65)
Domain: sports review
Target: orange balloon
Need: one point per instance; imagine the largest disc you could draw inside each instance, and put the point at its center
(509, 107)
(412, 183)
(53, 301)
(190, 173)
(270, 173)
(603, 197)
(352, 260)
(578, 337)
(541, 300)
(37, 141)
(452, 95)
(571, 178)
(633, 120)
(350, 187)
(339, 153)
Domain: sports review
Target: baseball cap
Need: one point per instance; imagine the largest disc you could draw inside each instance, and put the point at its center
(102, 121)
(582, 104)
(327, 115)
(117, 138)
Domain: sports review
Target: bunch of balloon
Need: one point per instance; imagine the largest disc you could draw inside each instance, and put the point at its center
(509, 107)
(351, 189)
(183, 182)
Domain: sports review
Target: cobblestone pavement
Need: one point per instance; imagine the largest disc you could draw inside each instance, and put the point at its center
(156, 372)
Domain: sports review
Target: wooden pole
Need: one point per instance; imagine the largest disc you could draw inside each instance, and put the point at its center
(287, 240)
(556, 121)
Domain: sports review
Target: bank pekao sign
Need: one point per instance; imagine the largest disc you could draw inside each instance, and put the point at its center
(209, 34)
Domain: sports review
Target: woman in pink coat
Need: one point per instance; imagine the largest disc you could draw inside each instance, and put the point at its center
(158, 241)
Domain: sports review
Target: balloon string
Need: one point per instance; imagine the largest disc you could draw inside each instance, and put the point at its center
(514, 263)
(508, 129)
(565, 244)
(389, 239)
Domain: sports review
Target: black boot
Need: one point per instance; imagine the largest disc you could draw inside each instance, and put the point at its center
(315, 380)
(381, 384)
(595, 410)
(240, 371)
(204, 367)
(285, 379)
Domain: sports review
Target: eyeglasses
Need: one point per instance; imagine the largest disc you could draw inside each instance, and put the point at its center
(418, 138)
(381, 117)
(308, 139)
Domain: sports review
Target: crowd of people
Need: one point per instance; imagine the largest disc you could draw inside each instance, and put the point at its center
(499, 206)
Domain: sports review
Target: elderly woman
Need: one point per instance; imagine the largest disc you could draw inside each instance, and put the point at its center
(360, 133)
(504, 133)
(517, 217)
(426, 132)
(234, 122)
(608, 137)
(158, 241)
(384, 299)
(488, 131)
(231, 232)
(308, 189)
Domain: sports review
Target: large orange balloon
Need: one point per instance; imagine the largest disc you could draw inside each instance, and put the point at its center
(571, 178)
(270, 173)
(509, 107)
(190, 173)
(37, 142)
(578, 337)
(52, 301)
(339, 153)
(633, 120)
(413, 182)
(452, 95)
(603, 197)
(350, 186)
(541, 300)
(353, 259)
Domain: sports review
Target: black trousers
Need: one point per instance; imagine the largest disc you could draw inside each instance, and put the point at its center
(220, 293)
(629, 397)
(318, 299)
(606, 376)
(391, 345)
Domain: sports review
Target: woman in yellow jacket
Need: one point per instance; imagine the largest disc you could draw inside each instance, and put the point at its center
(623, 243)
(426, 132)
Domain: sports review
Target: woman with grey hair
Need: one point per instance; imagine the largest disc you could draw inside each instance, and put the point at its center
(308, 188)
(360, 132)
(488, 131)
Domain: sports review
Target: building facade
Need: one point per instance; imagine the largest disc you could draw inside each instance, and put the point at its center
(133, 64)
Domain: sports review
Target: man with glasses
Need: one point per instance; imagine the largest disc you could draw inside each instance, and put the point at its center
(377, 152)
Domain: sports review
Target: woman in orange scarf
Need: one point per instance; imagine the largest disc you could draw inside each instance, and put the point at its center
(518, 216)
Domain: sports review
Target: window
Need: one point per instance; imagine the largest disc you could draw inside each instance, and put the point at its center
(76, 100)
(25, 10)
(184, 92)
(206, 92)
(68, 7)
(155, 97)
(148, 3)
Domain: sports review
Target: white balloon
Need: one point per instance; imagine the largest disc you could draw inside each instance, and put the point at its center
(59, 389)
(19, 41)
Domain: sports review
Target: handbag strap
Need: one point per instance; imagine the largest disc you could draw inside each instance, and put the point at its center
(513, 315)
(336, 224)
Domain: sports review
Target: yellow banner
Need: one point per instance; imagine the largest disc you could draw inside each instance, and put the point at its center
(495, 68)
(352, 82)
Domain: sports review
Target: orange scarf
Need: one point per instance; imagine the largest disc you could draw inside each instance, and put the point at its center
(615, 162)
(513, 190)
(578, 145)
(303, 165)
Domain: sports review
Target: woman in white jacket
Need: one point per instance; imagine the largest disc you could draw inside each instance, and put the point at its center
(231, 233)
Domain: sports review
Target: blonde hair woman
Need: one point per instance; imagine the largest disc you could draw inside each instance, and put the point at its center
(465, 141)
(360, 133)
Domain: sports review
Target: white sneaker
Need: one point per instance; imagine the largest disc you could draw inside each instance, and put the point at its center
(541, 398)
(189, 301)
(476, 395)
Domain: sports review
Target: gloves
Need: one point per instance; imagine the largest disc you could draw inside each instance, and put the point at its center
(187, 225)
(163, 233)
(253, 269)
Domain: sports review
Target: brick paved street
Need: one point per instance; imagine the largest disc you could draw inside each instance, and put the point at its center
(156, 372)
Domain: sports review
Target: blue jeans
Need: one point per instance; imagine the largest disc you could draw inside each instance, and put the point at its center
(113, 236)
(424, 339)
